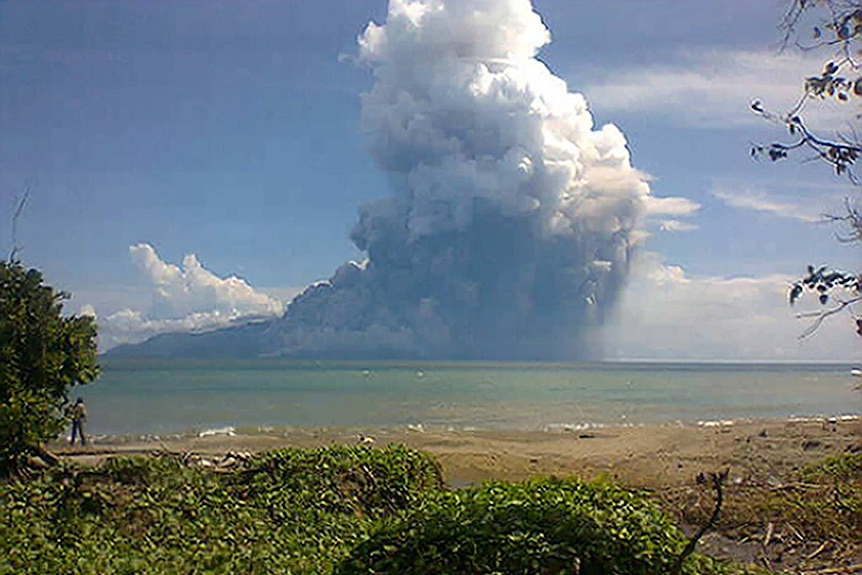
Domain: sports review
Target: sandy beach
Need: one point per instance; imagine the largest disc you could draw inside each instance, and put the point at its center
(654, 456)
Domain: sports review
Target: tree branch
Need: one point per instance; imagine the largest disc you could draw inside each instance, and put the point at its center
(823, 314)
(718, 480)
(16, 215)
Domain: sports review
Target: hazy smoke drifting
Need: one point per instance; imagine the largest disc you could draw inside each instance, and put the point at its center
(510, 225)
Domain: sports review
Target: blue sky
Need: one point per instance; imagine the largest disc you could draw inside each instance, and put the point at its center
(232, 131)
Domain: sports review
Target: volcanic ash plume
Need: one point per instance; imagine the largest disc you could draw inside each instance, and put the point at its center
(510, 224)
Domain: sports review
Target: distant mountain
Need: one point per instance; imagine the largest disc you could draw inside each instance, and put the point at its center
(251, 340)
(271, 338)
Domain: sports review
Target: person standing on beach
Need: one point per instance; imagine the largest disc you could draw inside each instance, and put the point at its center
(79, 417)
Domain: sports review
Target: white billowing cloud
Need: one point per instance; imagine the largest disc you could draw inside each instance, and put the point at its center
(194, 289)
(187, 298)
(715, 89)
(464, 114)
(763, 202)
(665, 314)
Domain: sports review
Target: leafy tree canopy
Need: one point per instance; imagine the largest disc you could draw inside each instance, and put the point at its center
(42, 355)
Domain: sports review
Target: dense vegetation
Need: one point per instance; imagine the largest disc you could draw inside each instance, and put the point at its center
(541, 526)
(286, 512)
(341, 510)
(42, 355)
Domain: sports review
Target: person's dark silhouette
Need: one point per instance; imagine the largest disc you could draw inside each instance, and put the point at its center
(79, 418)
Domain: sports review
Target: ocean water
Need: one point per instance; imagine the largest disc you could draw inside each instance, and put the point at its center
(158, 397)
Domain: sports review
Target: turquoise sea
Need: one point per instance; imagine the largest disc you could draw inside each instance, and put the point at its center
(160, 397)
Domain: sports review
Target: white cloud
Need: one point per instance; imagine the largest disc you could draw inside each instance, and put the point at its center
(715, 89)
(670, 206)
(131, 326)
(763, 202)
(88, 309)
(676, 206)
(187, 298)
(676, 226)
(665, 314)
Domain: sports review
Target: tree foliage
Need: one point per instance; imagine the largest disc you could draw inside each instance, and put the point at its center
(836, 27)
(42, 355)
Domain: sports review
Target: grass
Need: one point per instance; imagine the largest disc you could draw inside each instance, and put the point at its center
(359, 510)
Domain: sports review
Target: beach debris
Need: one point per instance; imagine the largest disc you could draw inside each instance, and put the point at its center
(217, 462)
(227, 461)
(770, 529)
(418, 427)
(818, 551)
(232, 460)
(364, 439)
(571, 427)
(830, 423)
(721, 425)
(774, 482)
(229, 431)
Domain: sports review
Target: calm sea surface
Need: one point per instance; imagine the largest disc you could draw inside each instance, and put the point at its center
(139, 397)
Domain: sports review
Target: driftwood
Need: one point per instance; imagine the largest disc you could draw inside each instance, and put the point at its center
(47, 456)
(718, 480)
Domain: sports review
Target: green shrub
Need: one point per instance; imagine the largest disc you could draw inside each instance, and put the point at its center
(359, 480)
(541, 526)
(289, 512)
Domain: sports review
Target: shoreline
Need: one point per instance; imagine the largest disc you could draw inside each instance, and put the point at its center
(287, 431)
(652, 455)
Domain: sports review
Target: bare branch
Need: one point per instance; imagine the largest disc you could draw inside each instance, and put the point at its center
(16, 215)
(718, 480)
(822, 315)
(852, 219)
